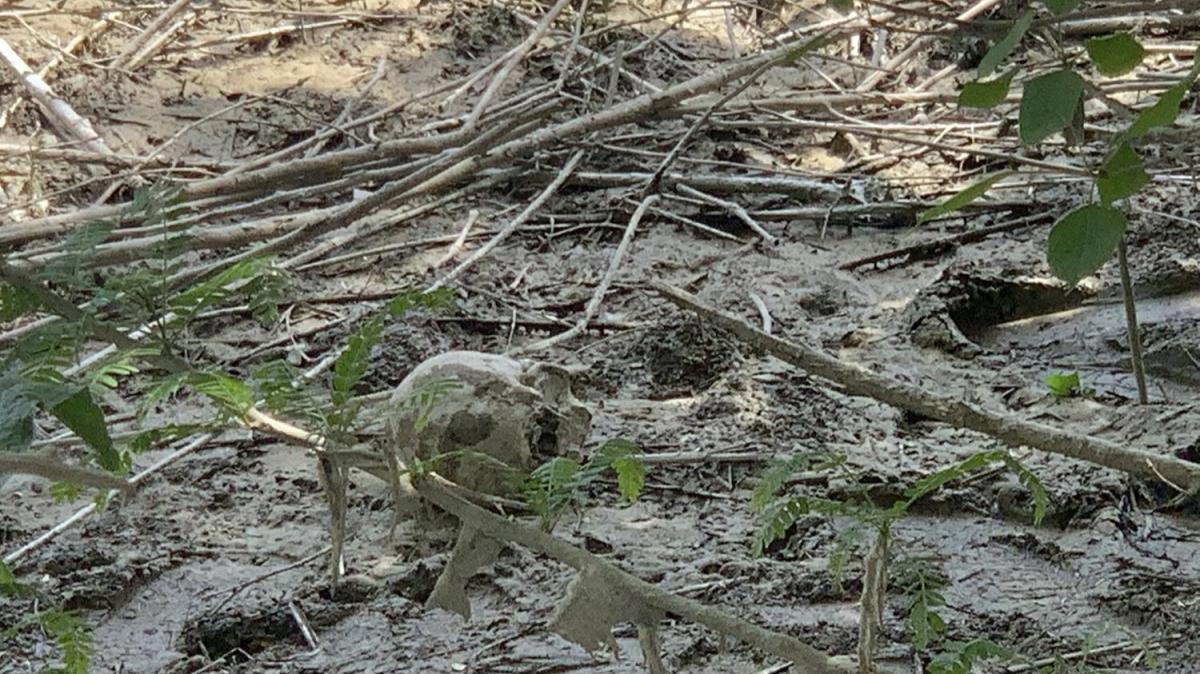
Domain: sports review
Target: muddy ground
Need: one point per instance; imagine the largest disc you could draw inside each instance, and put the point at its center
(201, 570)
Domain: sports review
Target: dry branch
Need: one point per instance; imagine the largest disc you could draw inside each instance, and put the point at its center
(52, 469)
(72, 126)
(142, 47)
(805, 658)
(1010, 430)
(593, 305)
(13, 558)
(944, 245)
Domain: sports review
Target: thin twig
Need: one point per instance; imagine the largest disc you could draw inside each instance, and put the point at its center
(593, 305)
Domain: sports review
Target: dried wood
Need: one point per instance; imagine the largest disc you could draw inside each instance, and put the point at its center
(70, 124)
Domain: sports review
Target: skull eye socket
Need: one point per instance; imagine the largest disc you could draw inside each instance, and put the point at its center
(467, 429)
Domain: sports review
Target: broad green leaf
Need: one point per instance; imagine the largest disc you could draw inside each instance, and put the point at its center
(1048, 104)
(963, 198)
(1121, 175)
(842, 5)
(985, 94)
(1000, 51)
(1164, 111)
(81, 414)
(1083, 240)
(1063, 384)
(1073, 133)
(1115, 54)
(631, 477)
(1060, 7)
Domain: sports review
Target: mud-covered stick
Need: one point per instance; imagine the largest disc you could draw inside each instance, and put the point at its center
(1011, 430)
(805, 658)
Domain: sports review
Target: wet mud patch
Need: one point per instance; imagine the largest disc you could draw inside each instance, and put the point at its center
(1093, 339)
(677, 356)
(955, 309)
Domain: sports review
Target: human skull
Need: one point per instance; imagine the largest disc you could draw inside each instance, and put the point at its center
(488, 416)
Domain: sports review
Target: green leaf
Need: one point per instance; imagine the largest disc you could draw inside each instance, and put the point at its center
(985, 94)
(842, 5)
(963, 198)
(406, 301)
(9, 586)
(279, 388)
(161, 390)
(64, 492)
(353, 362)
(148, 439)
(933, 482)
(803, 48)
(1083, 240)
(1000, 51)
(1041, 499)
(1115, 54)
(1063, 384)
(780, 471)
(16, 302)
(16, 415)
(81, 414)
(551, 486)
(227, 392)
(1048, 104)
(71, 269)
(265, 293)
(620, 456)
(778, 517)
(961, 658)
(214, 291)
(426, 397)
(1164, 111)
(1060, 7)
(631, 477)
(1121, 175)
(69, 630)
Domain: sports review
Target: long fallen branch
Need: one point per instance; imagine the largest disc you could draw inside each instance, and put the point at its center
(859, 381)
(805, 659)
